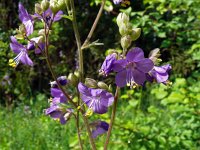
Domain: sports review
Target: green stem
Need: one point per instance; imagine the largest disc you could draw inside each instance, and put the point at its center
(94, 25)
(78, 41)
(51, 69)
(89, 132)
(113, 112)
(112, 118)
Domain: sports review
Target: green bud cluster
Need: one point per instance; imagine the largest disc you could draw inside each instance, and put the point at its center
(126, 30)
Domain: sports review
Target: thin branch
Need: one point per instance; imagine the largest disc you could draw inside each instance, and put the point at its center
(94, 25)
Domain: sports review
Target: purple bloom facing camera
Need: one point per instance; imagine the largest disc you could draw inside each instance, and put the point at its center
(26, 19)
(132, 70)
(22, 53)
(48, 16)
(97, 100)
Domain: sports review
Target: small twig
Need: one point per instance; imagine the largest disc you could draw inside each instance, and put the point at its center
(94, 25)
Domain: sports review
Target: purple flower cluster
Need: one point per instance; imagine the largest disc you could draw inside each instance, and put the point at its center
(34, 43)
(135, 69)
(56, 110)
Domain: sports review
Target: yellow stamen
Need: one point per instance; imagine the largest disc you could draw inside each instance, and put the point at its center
(89, 113)
(12, 63)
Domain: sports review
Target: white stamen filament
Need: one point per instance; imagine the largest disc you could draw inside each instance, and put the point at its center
(18, 57)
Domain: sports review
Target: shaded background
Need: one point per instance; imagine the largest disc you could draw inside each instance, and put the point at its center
(154, 117)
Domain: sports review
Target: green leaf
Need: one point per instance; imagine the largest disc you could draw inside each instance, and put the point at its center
(67, 17)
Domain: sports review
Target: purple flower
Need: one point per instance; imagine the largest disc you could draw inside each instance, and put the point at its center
(97, 100)
(58, 95)
(38, 41)
(160, 74)
(21, 51)
(49, 17)
(117, 1)
(100, 128)
(132, 70)
(107, 65)
(62, 80)
(57, 112)
(26, 19)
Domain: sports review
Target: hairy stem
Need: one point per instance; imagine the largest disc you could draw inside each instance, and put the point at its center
(94, 25)
(112, 118)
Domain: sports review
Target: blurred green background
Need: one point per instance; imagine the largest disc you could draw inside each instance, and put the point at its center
(154, 117)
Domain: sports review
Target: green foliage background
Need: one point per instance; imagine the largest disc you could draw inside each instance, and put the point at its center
(149, 118)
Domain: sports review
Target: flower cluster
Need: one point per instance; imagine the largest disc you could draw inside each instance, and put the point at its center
(135, 69)
(58, 108)
(25, 30)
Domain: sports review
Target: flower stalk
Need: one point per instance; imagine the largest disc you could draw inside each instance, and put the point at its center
(112, 118)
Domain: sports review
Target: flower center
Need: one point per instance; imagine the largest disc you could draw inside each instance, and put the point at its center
(130, 67)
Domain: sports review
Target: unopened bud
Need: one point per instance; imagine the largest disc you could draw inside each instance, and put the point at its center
(110, 88)
(41, 32)
(91, 83)
(123, 30)
(45, 5)
(61, 3)
(72, 79)
(54, 6)
(38, 9)
(22, 29)
(122, 18)
(126, 41)
(135, 34)
(154, 55)
(77, 74)
(102, 85)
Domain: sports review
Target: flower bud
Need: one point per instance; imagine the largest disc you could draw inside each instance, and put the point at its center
(38, 9)
(135, 34)
(22, 29)
(72, 79)
(110, 88)
(41, 32)
(123, 29)
(54, 6)
(91, 83)
(61, 3)
(154, 55)
(126, 41)
(45, 5)
(77, 74)
(122, 18)
(102, 85)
